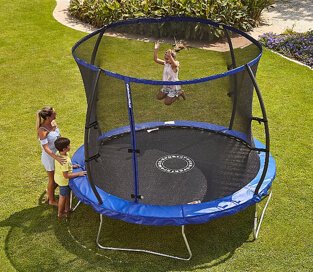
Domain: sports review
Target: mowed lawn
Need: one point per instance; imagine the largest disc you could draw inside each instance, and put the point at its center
(37, 68)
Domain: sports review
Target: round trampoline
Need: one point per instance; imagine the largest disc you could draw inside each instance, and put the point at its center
(187, 163)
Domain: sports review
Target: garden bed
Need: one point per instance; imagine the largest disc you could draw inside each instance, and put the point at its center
(241, 14)
(298, 46)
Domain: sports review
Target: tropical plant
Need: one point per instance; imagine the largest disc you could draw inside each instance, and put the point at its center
(255, 8)
(242, 14)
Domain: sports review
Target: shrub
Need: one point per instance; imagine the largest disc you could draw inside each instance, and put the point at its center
(242, 14)
(255, 8)
(298, 46)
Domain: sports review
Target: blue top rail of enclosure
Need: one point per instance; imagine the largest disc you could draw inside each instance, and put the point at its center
(160, 20)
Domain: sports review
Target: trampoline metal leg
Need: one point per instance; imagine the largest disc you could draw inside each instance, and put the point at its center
(71, 202)
(257, 225)
(143, 250)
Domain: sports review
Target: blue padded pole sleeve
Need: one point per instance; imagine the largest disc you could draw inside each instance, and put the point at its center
(133, 139)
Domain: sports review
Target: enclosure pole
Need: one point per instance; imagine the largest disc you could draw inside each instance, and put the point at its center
(88, 158)
(71, 202)
(133, 150)
(233, 65)
(264, 120)
(95, 49)
(231, 48)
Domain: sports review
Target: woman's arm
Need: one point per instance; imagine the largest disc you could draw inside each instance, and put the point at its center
(59, 159)
(155, 55)
(54, 124)
(42, 136)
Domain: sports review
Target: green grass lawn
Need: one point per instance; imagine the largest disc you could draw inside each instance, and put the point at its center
(37, 69)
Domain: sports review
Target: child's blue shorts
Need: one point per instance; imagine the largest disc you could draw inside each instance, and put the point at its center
(65, 190)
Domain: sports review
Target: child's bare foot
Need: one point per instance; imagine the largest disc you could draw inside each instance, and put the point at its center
(160, 95)
(63, 215)
(169, 100)
(182, 94)
(53, 203)
(68, 211)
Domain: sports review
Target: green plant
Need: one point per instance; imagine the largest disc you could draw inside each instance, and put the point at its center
(289, 30)
(255, 7)
(31, 238)
(298, 46)
(242, 14)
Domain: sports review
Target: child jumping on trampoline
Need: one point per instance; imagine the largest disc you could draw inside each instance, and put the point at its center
(62, 175)
(170, 93)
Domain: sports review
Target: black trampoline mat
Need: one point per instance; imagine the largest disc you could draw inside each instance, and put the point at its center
(175, 166)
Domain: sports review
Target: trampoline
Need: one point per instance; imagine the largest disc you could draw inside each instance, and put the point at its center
(187, 163)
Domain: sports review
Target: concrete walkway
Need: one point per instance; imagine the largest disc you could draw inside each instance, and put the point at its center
(61, 14)
(286, 14)
(291, 14)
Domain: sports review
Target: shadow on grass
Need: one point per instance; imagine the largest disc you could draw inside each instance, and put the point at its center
(38, 242)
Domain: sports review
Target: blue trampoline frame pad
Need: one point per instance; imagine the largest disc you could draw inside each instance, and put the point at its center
(176, 215)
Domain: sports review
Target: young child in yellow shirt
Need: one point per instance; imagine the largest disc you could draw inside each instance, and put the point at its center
(62, 174)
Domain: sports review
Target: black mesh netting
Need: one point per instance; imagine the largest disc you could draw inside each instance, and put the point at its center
(222, 165)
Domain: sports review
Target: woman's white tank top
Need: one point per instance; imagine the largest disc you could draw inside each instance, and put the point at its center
(51, 137)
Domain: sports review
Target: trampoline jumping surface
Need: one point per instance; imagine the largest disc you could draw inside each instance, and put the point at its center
(176, 165)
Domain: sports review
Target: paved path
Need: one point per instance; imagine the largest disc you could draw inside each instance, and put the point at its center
(286, 14)
(61, 14)
(296, 14)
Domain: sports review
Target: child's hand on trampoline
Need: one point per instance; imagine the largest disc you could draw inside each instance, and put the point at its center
(82, 173)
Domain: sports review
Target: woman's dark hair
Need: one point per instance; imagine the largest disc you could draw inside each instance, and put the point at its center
(42, 115)
(46, 112)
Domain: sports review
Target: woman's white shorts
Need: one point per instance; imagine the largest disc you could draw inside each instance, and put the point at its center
(47, 161)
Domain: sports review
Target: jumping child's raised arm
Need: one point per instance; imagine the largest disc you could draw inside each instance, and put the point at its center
(155, 55)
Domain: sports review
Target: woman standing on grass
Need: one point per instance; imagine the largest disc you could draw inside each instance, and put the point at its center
(48, 132)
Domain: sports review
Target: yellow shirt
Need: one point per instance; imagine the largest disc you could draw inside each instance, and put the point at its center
(59, 169)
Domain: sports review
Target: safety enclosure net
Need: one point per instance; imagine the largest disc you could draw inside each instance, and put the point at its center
(195, 150)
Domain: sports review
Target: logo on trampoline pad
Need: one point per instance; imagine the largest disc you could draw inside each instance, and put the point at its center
(179, 159)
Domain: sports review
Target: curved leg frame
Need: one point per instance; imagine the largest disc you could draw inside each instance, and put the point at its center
(71, 203)
(257, 225)
(143, 250)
